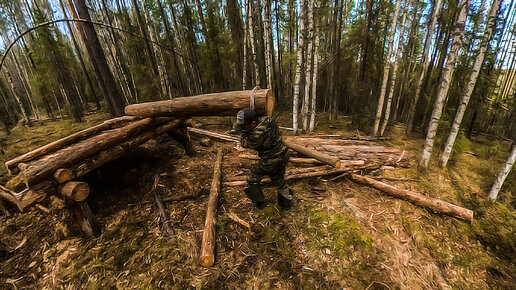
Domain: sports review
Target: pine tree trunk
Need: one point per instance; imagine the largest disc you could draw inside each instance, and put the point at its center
(90, 39)
(394, 75)
(444, 85)
(17, 98)
(424, 67)
(253, 46)
(244, 67)
(299, 66)
(491, 22)
(386, 69)
(503, 173)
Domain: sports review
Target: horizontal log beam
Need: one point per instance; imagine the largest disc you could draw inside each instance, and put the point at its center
(215, 104)
(12, 165)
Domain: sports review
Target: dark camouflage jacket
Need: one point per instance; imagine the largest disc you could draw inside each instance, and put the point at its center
(265, 138)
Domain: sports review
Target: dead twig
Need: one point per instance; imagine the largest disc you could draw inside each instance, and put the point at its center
(236, 219)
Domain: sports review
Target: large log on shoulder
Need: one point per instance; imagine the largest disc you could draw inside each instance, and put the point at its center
(207, 257)
(416, 198)
(215, 104)
(12, 165)
(110, 154)
(43, 168)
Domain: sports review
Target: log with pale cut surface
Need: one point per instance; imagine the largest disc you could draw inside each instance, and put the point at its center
(416, 198)
(75, 190)
(298, 160)
(38, 170)
(325, 158)
(12, 165)
(110, 154)
(215, 104)
(207, 257)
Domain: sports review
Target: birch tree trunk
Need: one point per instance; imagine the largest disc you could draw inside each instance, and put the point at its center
(444, 85)
(424, 65)
(386, 69)
(491, 22)
(503, 173)
(394, 75)
(314, 79)
(308, 71)
(17, 97)
(268, 40)
(299, 66)
(253, 46)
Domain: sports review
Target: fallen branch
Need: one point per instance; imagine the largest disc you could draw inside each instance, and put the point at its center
(236, 219)
(416, 198)
(163, 218)
(207, 257)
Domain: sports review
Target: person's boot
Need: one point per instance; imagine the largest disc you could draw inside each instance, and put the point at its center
(285, 198)
(256, 195)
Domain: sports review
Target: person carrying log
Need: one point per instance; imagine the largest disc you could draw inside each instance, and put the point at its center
(263, 135)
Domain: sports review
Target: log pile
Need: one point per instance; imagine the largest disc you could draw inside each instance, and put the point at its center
(58, 166)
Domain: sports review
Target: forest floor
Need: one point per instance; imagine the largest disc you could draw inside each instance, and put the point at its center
(338, 234)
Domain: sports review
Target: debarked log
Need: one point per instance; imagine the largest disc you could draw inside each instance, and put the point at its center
(298, 160)
(207, 257)
(12, 165)
(78, 170)
(38, 170)
(416, 198)
(327, 159)
(215, 104)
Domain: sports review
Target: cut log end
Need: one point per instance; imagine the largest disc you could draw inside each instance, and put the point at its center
(337, 164)
(206, 261)
(76, 190)
(63, 175)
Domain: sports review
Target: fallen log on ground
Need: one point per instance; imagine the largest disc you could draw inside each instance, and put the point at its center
(44, 167)
(327, 159)
(416, 198)
(12, 165)
(300, 173)
(299, 160)
(103, 157)
(28, 196)
(207, 257)
(82, 216)
(215, 104)
(163, 217)
(75, 190)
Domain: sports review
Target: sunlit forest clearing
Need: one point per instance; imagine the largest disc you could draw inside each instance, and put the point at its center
(124, 166)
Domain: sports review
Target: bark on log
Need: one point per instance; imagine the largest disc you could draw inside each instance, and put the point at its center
(299, 160)
(75, 190)
(43, 168)
(12, 165)
(208, 237)
(417, 198)
(216, 104)
(213, 135)
(308, 172)
(29, 196)
(331, 160)
(82, 216)
(181, 135)
(163, 217)
(88, 165)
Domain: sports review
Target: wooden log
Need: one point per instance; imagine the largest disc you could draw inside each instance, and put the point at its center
(82, 216)
(181, 135)
(416, 198)
(208, 237)
(216, 104)
(44, 167)
(28, 196)
(213, 135)
(163, 217)
(12, 165)
(298, 160)
(327, 159)
(75, 190)
(86, 166)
